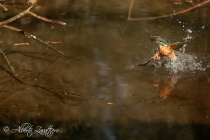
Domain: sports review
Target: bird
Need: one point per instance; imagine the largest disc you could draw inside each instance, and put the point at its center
(164, 49)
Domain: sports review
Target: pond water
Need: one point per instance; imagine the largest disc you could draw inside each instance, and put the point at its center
(97, 91)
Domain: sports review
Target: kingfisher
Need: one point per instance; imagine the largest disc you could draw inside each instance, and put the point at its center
(164, 49)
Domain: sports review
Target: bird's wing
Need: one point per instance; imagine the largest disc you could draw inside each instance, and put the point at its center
(155, 57)
(178, 45)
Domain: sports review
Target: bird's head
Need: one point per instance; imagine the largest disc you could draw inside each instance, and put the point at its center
(159, 40)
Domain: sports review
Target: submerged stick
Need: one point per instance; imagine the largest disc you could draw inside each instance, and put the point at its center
(3, 7)
(41, 41)
(164, 16)
(46, 19)
(27, 11)
(7, 61)
(32, 36)
(27, 35)
(15, 17)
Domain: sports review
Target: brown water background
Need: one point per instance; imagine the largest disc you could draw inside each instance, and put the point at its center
(99, 92)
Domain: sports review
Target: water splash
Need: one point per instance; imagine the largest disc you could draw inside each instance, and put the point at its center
(187, 38)
(185, 63)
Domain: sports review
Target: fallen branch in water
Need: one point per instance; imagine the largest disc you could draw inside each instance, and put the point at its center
(2, 6)
(27, 11)
(31, 36)
(21, 44)
(7, 61)
(3, 24)
(164, 16)
(63, 95)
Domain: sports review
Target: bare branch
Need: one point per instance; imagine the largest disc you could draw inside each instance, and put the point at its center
(164, 16)
(3, 7)
(46, 19)
(8, 63)
(27, 11)
(21, 44)
(130, 9)
(31, 36)
(15, 17)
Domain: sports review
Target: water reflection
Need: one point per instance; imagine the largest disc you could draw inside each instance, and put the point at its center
(184, 66)
(165, 89)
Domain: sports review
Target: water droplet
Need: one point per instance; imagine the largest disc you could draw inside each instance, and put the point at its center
(189, 31)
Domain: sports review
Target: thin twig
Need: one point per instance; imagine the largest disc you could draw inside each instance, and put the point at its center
(5, 118)
(4, 25)
(27, 11)
(41, 41)
(28, 35)
(48, 68)
(164, 16)
(11, 28)
(3, 7)
(15, 17)
(59, 93)
(46, 19)
(54, 42)
(11, 96)
(21, 44)
(32, 36)
(8, 63)
(130, 9)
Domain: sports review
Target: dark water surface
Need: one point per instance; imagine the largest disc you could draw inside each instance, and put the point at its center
(97, 92)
